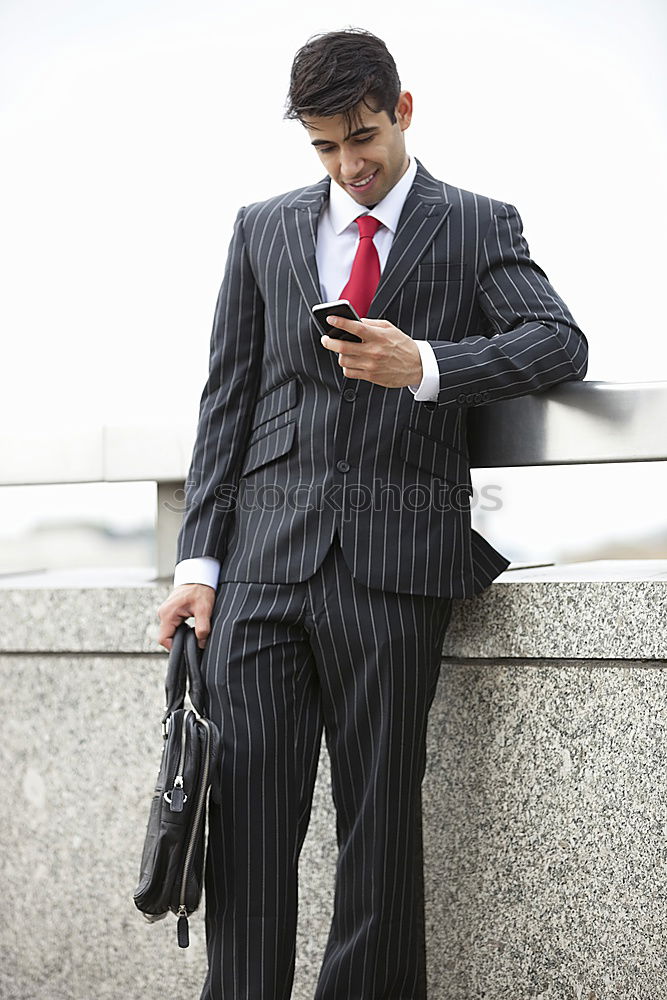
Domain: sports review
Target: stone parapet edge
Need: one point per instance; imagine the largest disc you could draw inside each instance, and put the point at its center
(539, 619)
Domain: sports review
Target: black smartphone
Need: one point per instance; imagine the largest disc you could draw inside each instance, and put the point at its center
(339, 308)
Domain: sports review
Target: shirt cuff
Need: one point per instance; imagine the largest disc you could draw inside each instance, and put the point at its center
(202, 569)
(429, 387)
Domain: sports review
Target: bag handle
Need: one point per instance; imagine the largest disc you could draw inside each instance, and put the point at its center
(183, 667)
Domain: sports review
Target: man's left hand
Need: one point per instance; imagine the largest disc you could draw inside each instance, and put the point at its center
(387, 356)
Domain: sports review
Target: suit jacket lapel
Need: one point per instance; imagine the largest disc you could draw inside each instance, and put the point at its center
(424, 211)
(299, 220)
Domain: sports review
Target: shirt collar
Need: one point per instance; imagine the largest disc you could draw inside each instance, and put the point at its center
(343, 209)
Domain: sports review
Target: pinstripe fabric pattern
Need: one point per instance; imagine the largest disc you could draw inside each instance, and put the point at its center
(290, 453)
(281, 663)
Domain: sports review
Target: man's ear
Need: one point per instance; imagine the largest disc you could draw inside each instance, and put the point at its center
(403, 109)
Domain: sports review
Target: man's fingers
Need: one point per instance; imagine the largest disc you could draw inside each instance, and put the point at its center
(351, 325)
(202, 630)
(202, 614)
(378, 324)
(346, 347)
(168, 625)
(186, 601)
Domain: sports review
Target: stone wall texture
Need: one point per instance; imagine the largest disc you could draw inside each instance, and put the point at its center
(545, 818)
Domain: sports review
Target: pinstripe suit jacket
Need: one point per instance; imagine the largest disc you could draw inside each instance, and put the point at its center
(288, 449)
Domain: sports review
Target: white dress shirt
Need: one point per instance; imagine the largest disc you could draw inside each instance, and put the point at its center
(337, 241)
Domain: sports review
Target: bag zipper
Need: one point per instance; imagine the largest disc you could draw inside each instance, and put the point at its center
(182, 913)
(176, 797)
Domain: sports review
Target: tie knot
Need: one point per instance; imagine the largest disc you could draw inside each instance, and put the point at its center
(368, 226)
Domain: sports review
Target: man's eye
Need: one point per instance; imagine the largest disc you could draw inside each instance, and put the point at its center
(330, 149)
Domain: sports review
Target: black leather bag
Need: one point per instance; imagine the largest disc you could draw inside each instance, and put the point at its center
(172, 863)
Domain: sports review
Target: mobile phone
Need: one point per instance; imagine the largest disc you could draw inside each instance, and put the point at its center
(341, 307)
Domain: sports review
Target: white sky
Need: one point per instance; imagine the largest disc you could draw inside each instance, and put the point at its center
(131, 131)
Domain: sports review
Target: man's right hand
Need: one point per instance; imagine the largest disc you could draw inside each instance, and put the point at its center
(189, 600)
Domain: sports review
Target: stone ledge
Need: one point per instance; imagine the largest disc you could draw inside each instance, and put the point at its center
(602, 609)
(607, 609)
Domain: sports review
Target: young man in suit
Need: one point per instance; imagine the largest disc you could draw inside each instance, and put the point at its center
(327, 526)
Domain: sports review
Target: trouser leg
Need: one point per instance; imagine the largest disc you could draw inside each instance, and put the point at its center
(378, 658)
(264, 693)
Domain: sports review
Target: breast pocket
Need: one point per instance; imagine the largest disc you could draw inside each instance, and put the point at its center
(430, 272)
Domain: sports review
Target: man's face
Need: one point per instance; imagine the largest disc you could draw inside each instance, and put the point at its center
(372, 153)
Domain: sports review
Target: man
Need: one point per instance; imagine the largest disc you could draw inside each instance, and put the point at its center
(328, 503)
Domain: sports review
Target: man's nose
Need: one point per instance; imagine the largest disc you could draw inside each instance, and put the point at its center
(351, 165)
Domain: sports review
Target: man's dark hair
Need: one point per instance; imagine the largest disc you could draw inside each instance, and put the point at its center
(333, 72)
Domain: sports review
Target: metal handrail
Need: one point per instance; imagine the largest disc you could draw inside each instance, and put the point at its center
(571, 423)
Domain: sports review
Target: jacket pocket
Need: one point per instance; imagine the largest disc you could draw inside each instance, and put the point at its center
(272, 445)
(282, 397)
(435, 457)
(432, 271)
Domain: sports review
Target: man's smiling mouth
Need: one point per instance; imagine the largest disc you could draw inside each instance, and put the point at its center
(363, 182)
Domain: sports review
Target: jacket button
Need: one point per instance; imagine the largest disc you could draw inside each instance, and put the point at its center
(469, 398)
(477, 397)
(430, 405)
(343, 466)
(461, 398)
(349, 394)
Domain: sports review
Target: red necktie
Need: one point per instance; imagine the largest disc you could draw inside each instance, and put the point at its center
(365, 273)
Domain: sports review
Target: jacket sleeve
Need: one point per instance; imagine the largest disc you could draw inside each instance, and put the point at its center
(226, 407)
(533, 340)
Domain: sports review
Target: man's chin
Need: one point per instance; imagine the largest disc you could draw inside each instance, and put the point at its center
(369, 200)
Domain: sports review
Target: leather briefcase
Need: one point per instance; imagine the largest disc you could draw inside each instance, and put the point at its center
(172, 863)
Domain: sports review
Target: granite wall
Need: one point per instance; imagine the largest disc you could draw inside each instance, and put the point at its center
(545, 811)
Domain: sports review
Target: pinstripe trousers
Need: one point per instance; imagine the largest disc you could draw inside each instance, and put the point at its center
(283, 662)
